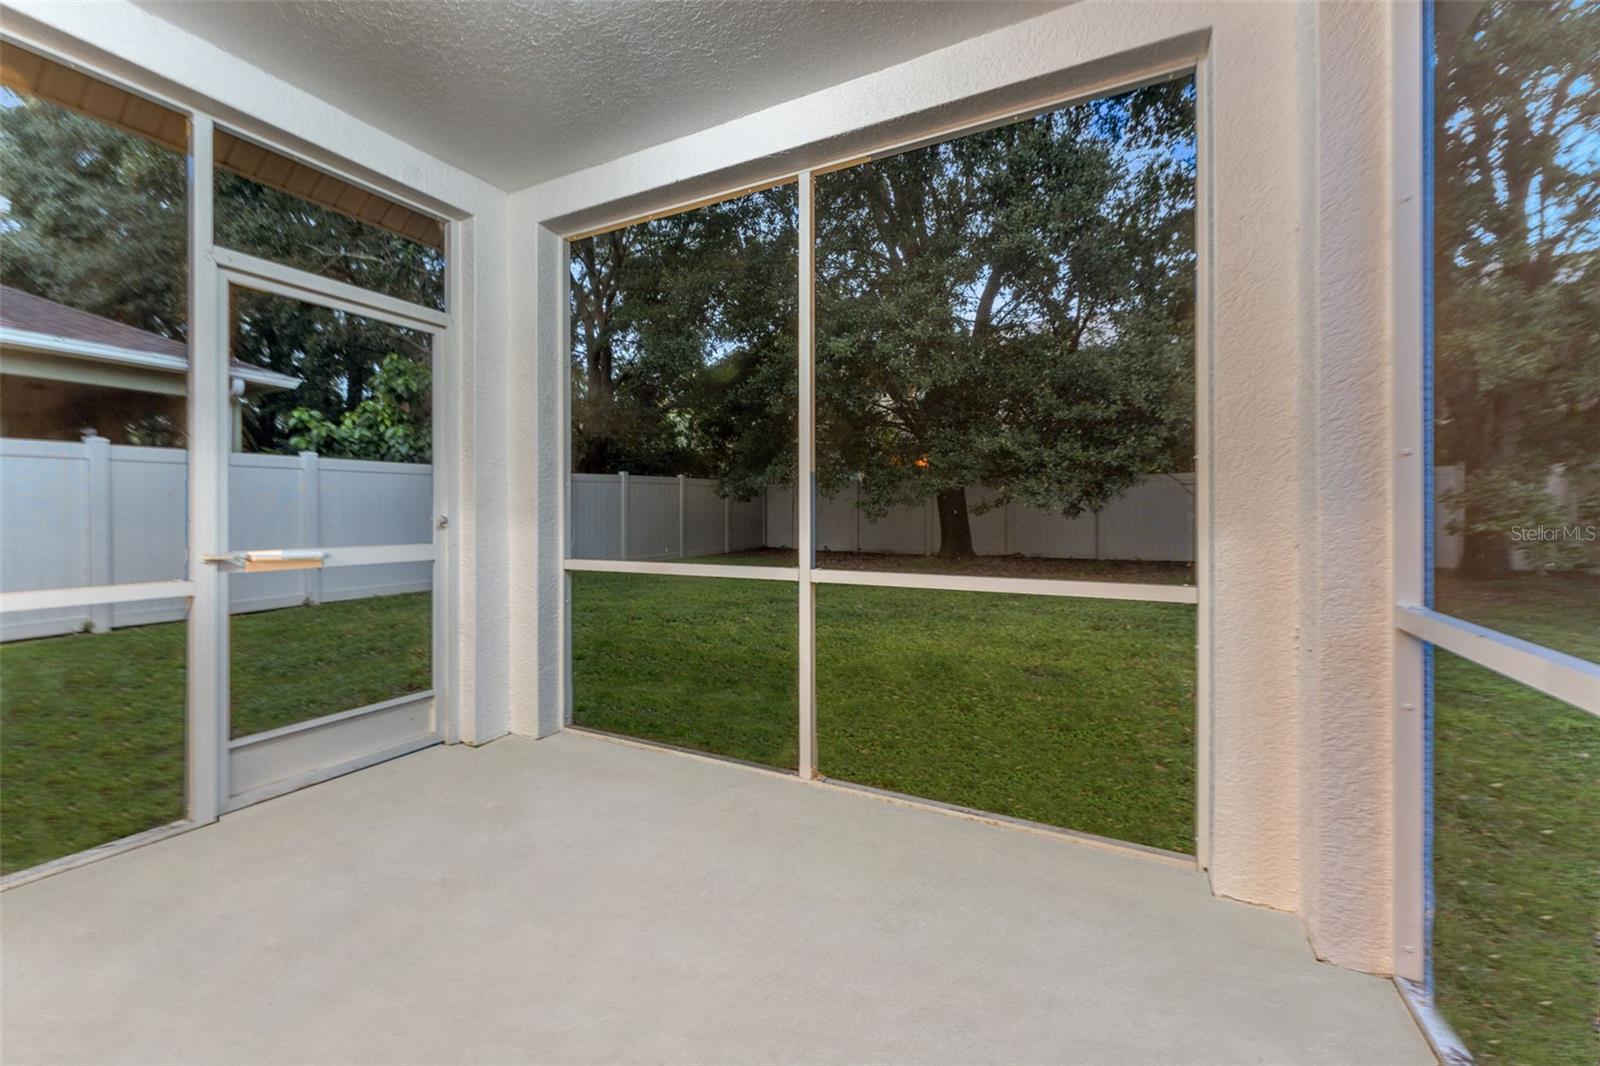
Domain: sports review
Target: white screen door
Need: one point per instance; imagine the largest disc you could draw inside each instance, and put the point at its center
(331, 529)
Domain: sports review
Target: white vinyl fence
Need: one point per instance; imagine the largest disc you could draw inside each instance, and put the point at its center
(96, 513)
(621, 516)
(1449, 540)
(618, 516)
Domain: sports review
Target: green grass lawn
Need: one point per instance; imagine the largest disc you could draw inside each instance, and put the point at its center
(704, 663)
(1517, 835)
(1075, 713)
(1560, 611)
(305, 662)
(92, 725)
(1072, 712)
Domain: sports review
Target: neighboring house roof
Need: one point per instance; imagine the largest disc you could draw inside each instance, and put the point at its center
(39, 325)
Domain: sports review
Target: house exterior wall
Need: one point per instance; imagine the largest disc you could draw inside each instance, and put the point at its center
(47, 366)
(37, 408)
(1295, 810)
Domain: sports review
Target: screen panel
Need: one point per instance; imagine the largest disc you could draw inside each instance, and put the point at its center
(1005, 349)
(94, 366)
(357, 637)
(92, 727)
(1516, 802)
(1075, 713)
(1516, 261)
(684, 383)
(277, 208)
(701, 663)
(334, 444)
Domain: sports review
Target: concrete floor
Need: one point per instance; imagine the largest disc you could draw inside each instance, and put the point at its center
(578, 900)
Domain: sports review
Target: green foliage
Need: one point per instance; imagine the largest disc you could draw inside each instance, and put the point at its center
(97, 219)
(1516, 264)
(338, 357)
(388, 424)
(286, 229)
(1012, 309)
(683, 341)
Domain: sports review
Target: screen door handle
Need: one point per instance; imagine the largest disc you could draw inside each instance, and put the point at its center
(265, 560)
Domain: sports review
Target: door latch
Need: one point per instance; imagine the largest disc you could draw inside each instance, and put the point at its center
(268, 560)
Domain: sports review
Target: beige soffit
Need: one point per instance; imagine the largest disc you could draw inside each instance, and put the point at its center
(24, 71)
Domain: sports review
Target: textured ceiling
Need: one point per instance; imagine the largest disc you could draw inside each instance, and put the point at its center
(518, 91)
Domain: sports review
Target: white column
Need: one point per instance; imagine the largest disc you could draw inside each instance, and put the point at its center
(806, 484)
(210, 439)
(97, 450)
(683, 517)
(1346, 714)
(1409, 711)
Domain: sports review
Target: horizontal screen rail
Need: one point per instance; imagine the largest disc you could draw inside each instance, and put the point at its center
(1566, 677)
(256, 273)
(373, 555)
(622, 566)
(94, 595)
(1022, 586)
(323, 558)
(310, 724)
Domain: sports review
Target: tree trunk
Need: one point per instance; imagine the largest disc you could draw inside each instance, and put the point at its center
(955, 529)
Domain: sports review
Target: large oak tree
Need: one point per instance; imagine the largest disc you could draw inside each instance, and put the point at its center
(1516, 263)
(1011, 309)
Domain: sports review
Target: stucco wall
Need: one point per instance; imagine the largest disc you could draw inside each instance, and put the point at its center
(1345, 703)
(1294, 104)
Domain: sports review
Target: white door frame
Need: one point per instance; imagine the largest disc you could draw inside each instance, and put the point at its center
(256, 767)
(210, 444)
